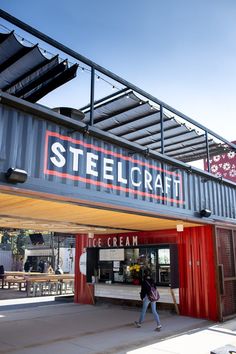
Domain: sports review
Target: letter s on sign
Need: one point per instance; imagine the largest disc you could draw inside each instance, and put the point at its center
(60, 160)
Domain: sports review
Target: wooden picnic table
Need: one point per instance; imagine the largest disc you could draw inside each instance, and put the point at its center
(26, 279)
(19, 273)
(46, 282)
(48, 277)
(16, 277)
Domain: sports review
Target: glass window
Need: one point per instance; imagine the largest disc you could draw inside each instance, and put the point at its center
(163, 266)
(164, 256)
(130, 269)
(136, 260)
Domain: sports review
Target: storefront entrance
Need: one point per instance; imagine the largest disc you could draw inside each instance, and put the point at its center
(126, 265)
(177, 259)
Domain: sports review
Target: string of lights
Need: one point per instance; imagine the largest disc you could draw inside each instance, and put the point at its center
(46, 52)
(114, 87)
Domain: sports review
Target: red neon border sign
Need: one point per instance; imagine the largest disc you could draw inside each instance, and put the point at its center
(103, 184)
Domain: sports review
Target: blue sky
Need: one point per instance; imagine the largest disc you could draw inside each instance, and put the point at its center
(183, 52)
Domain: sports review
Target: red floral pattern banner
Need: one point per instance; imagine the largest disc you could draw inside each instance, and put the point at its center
(223, 165)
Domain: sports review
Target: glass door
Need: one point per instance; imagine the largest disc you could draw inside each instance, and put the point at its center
(163, 266)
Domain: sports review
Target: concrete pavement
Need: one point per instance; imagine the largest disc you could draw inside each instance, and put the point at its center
(68, 328)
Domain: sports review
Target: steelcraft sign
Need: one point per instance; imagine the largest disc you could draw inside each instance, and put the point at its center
(111, 168)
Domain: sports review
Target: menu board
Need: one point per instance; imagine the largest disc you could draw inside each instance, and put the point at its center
(116, 266)
(112, 254)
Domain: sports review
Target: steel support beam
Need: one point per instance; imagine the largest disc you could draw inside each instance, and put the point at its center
(92, 89)
(208, 153)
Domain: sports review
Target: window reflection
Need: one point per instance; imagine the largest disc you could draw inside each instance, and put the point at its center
(164, 266)
(130, 269)
(164, 256)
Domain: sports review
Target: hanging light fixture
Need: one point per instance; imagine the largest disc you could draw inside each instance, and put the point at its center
(16, 175)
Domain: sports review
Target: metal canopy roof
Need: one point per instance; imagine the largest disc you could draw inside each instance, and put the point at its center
(129, 117)
(26, 73)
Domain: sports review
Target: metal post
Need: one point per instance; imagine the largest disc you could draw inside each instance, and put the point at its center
(162, 130)
(162, 143)
(92, 95)
(58, 251)
(207, 151)
(53, 254)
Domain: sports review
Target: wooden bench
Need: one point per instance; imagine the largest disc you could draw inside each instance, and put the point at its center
(49, 284)
(16, 277)
(9, 280)
(20, 274)
(2, 278)
(38, 284)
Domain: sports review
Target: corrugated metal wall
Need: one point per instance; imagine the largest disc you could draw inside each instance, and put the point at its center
(83, 291)
(226, 256)
(23, 140)
(198, 290)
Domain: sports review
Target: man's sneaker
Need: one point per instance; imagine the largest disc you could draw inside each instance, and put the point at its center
(137, 324)
(158, 328)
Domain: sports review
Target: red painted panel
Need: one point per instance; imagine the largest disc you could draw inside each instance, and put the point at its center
(198, 294)
(83, 291)
(144, 237)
